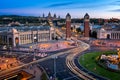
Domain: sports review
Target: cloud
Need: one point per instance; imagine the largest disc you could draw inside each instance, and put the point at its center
(87, 6)
(115, 3)
(60, 4)
(116, 10)
(21, 11)
(76, 5)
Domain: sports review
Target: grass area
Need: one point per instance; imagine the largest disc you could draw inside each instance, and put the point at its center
(44, 76)
(89, 62)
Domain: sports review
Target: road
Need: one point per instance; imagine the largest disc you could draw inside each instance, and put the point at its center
(64, 57)
(62, 71)
(73, 62)
(34, 62)
(71, 65)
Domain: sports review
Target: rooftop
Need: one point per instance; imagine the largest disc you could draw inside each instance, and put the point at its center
(23, 28)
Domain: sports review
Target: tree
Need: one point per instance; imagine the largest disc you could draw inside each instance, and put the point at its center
(1, 42)
(78, 29)
(56, 38)
(94, 34)
(71, 28)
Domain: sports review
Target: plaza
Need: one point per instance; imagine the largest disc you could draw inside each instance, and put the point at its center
(47, 46)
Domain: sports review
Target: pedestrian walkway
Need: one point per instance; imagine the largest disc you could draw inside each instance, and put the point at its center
(35, 71)
(47, 47)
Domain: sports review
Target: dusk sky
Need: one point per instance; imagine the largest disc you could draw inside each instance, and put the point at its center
(77, 8)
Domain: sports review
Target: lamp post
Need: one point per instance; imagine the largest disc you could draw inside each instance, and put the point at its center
(55, 57)
(35, 40)
(10, 51)
(30, 48)
(34, 56)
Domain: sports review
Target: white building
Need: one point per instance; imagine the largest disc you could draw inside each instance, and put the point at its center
(108, 34)
(15, 36)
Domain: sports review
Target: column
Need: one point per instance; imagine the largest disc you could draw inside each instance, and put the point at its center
(111, 35)
(115, 35)
(119, 35)
(23, 39)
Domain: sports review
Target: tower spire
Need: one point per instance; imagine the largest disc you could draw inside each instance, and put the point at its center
(86, 25)
(68, 26)
(43, 15)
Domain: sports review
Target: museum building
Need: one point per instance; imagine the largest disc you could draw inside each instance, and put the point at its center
(15, 36)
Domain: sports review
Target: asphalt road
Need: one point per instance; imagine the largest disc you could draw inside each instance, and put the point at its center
(62, 71)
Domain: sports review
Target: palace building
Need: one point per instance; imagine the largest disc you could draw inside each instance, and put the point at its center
(108, 34)
(15, 36)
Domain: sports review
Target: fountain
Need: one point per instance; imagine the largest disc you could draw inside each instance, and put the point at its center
(112, 61)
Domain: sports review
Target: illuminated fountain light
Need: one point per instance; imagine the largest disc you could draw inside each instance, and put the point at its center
(112, 61)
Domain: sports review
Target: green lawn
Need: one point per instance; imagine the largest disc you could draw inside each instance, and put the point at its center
(88, 61)
(44, 76)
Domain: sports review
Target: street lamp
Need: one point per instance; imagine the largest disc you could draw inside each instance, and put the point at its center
(35, 40)
(34, 56)
(55, 57)
(10, 50)
(30, 48)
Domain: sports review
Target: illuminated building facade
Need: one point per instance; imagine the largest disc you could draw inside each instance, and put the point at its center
(25, 35)
(108, 34)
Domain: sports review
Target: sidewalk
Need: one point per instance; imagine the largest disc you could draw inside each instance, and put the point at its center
(35, 71)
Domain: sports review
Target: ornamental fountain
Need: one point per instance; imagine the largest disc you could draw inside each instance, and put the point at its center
(112, 61)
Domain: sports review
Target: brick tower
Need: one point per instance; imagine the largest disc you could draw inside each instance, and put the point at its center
(86, 25)
(68, 26)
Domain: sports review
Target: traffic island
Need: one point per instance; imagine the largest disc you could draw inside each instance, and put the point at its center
(88, 61)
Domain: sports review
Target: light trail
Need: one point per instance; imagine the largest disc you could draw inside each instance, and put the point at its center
(71, 65)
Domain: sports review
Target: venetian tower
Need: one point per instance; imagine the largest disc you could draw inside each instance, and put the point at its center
(68, 26)
(86, 26)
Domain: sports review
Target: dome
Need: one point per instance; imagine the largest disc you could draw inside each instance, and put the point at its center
(86, 16)
(102, 29)
(68, 14)
(14, 30)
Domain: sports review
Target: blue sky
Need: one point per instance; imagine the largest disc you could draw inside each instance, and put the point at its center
(77, 8)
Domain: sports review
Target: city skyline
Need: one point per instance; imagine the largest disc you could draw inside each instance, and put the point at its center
(77, 8)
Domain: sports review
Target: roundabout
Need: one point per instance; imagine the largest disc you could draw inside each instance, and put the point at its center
(89, 62)
(76, 68)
